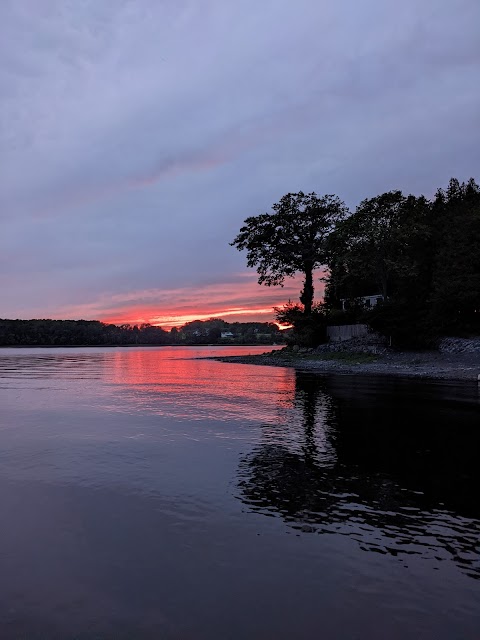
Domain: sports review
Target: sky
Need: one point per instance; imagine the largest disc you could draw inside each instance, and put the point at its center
(137, 135)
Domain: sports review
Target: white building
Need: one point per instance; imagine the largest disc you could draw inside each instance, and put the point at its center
(368, 301)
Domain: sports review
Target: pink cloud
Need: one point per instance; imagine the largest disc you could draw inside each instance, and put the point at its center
(241, 300)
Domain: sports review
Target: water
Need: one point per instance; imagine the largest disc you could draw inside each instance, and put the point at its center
(148, 494)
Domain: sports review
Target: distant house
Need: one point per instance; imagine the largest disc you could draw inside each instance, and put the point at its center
(368, 301)
(226, 335)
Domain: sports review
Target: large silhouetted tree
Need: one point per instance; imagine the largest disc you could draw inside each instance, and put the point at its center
(291, 240)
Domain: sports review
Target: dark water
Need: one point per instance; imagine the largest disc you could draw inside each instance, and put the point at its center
(145, 494)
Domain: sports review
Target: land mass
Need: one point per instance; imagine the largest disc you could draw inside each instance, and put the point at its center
(82, 333)
(423, 364)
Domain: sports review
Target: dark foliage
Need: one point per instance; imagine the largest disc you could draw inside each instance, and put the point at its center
(95, 333)
(77, 333)
(217, 331)
(291, 240)
(307, 330)
(422, 256)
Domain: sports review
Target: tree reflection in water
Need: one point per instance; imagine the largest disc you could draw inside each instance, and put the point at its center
(390, 464)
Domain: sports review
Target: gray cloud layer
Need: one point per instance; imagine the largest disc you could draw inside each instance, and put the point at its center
(136, 135)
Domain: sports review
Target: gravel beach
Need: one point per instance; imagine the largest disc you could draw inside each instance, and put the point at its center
(425, 364)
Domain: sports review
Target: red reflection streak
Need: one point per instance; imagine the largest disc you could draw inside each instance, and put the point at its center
(156, 379)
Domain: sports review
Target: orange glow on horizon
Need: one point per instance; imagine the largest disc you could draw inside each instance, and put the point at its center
(240, 300)
(169, 320)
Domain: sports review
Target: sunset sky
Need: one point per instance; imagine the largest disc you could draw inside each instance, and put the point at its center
(137, 135)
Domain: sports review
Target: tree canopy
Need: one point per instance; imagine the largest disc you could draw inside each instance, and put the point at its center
(290, 240)
(77, 333)
(419, 257)
(93, 332)
(373, 246)
(422, 256)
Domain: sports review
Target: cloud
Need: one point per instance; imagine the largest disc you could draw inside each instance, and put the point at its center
(136, 136)
(240, 299)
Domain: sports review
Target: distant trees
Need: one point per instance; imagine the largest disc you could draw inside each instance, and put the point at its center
(95, 333)
(202, 332)
(77, 333)
(292, 239)
(210, 332)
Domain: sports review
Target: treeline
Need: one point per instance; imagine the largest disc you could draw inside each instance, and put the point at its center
(422, 256)
(406, 265)
(77, 333)
(217, 331)
(94, 333)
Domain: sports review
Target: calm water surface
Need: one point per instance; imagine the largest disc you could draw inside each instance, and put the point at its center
(145, 493)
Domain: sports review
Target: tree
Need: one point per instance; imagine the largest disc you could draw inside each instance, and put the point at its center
(455, 294)
(291, 240)
(306, 330)
(380, 248)
(424, 257)
(370, 242)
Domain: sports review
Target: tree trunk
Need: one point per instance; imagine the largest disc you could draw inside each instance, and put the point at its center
(306, 297)
(384, 285)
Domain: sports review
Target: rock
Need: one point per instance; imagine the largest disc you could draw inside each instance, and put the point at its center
(371, 343)
(460, 345)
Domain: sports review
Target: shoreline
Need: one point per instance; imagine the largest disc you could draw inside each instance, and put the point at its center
(429, 365)
(127, 346)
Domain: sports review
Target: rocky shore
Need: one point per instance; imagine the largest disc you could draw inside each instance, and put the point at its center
(446, 364)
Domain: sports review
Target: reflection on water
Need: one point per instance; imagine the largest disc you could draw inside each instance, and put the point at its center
(175, 382)
(332, 468)
(135, 485)
(186, 389)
